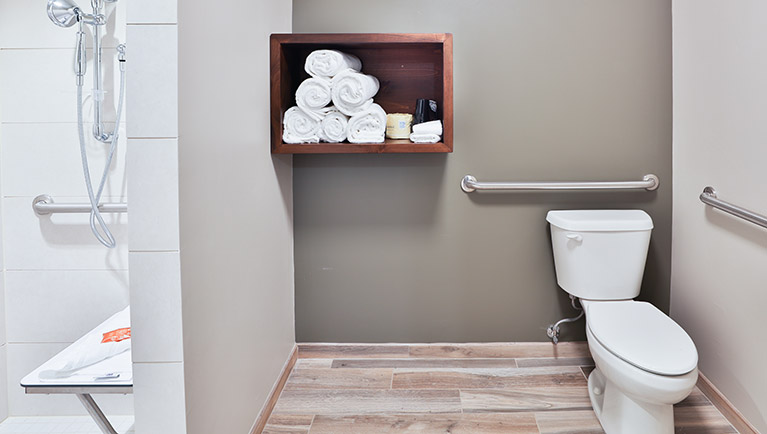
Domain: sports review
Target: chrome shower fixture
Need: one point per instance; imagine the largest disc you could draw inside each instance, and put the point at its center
(65, 13)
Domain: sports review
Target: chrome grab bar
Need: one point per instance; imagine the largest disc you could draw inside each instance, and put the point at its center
(709, 198)
(649, 182)
(44, 205)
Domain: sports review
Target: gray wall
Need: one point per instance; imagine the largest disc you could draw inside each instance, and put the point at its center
(235, 215)
(388, 248)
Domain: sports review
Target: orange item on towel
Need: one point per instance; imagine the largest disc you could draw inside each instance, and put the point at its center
(116, 335)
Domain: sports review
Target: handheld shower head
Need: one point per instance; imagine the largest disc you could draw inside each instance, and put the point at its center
(65, 13)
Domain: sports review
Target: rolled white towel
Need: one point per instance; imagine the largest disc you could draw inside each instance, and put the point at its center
(424, 138)
(353, 92)
(328, 63)
(110, 338)
(431, 127)
(299, 127)
(368, 126)
(334, 127)
(313, 95)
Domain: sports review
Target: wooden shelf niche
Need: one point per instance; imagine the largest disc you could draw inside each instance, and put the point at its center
(408, 66)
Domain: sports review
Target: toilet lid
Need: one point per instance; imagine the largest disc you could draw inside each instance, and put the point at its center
(642, 335)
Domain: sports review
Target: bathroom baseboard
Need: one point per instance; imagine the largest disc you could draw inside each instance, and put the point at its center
(266, 411)
(724, 405)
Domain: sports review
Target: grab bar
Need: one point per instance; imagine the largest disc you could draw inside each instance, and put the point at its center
(44, 205)
(709, 198)
(649, 182)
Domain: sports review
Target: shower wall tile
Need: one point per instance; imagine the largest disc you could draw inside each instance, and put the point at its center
(152, 11)
(25, 24)
(160, 401)
(153, 84)
(155, 299)
(44, 158)
(153, 188)
(3, 304)
(39, 86)
(40, 304)
(23, 359)
(3, 382)
(59, 241)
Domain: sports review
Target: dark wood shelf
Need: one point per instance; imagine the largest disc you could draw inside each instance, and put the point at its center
(408, 66)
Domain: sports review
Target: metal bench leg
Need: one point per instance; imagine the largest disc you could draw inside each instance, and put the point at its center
(96, 413)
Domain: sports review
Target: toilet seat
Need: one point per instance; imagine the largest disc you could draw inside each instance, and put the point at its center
(640, 334)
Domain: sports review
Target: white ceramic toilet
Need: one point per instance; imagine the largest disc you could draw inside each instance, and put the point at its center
(645, 362)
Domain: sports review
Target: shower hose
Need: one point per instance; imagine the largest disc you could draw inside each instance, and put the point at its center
(98, 225)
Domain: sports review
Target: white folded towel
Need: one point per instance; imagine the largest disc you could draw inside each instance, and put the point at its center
(368, 126)
(107, 340)
(431, 127)
(299, 127)
(328, 63)
(334, 127)
(353, 92)
(312, 95)
(424, 138)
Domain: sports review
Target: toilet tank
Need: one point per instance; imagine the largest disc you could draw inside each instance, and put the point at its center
(600, 254)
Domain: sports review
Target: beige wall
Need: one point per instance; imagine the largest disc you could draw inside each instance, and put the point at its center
(236, 215)
(720, 102)
(388, 248)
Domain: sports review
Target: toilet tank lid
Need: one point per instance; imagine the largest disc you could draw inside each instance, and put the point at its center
(642, 335)
(600, 220)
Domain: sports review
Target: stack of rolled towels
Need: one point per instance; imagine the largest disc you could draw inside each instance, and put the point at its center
(336, 103)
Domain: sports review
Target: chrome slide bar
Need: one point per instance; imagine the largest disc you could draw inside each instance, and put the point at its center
(709, 198)
(649, 182)
(44, 205)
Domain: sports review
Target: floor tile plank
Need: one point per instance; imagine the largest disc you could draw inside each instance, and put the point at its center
(525, 399)
(352, 402)
(424, 363)
(313, 363)
(569, 422)
(551, 361)
(288, 424)
(327, 378)
(701, 419)
(331, 351)
(487, 378)
(519, 423)
(516, 350)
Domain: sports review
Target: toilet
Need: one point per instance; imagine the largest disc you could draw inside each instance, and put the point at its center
(645, 362)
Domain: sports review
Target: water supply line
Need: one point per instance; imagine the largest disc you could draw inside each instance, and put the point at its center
(553, 330)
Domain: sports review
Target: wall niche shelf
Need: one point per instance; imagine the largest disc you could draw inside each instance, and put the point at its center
(408, 66)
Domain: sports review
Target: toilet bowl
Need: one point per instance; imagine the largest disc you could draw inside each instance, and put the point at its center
(645, 362)
(634, 386)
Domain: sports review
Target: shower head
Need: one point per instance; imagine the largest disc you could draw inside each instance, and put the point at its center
(65, 13)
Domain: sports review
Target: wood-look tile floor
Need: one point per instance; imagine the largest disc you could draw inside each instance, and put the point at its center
(458, 389)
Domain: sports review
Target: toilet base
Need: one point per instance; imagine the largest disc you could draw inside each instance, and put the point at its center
(620, 414)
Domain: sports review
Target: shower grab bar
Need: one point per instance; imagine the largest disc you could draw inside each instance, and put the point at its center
(649, 182)
(709, 198)
(44, 205)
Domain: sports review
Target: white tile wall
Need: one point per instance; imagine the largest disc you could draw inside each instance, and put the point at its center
(25, 24)
(159, 393)
(153, 87)
(41, 158)
(41, 304)
(152, 12)
(3, 381)
(24, 358)
(62, 283)
(59, 241)
(154, 203)
(156, 307)
(39, 86)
